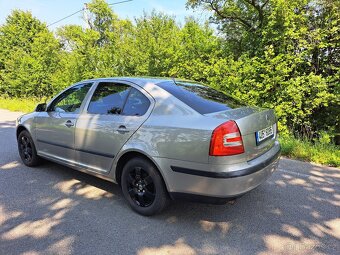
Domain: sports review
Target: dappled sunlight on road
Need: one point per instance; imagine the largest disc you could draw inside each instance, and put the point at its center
(295, 212)
(36, 229)
(9, 166)
(291, 230)
(17, 227)
(40, 228)
(5, 215)
(221, 229)
(276, 244)
(82, 189)
(178, 248)
(332, 227)
(299, 181)
(62, 246)
(42, 209)
(209, 226)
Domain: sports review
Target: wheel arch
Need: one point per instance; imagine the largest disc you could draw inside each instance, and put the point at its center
(125, 157)
(21, 128)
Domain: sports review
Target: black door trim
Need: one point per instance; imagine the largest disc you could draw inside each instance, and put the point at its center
(82, 150)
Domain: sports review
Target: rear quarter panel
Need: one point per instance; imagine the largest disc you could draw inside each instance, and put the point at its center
(189, 141)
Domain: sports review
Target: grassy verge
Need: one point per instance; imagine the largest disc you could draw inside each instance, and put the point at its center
(18, 104)
(325, 154)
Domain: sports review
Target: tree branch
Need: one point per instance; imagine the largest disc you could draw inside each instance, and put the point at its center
(230, 17)
(259, 9)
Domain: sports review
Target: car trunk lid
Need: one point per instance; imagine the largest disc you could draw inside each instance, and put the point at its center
(257, 127)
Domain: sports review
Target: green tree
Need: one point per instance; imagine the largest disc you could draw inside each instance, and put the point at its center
(285, 55)
(155, 43)
(272, 53)
(96, 51)
(197, 51)
(29, 56)
(241, 21)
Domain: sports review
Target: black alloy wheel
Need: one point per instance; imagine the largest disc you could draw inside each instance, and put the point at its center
(27, 149)
(143, 187)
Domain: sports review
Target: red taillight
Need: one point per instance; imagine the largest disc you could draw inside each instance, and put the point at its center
(226, 140)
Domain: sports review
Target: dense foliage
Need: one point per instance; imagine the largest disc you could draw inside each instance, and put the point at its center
(285, 55)
(273, 53)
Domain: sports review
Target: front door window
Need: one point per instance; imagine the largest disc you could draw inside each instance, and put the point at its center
(70, 101)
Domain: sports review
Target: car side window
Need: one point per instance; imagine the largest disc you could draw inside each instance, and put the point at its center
(137, 104)
(108, 98)
(70, 101)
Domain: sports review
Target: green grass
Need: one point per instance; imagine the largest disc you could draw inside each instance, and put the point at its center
(325, 154)
(19, 104)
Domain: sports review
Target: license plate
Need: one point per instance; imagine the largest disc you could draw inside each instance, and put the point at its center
(263, 134)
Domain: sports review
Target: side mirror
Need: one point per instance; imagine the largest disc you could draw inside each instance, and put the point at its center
(40, 107)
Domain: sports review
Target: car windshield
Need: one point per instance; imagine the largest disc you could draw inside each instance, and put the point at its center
(199, 97)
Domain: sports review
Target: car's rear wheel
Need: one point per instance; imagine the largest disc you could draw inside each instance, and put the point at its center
(27, 150)
(143, 187)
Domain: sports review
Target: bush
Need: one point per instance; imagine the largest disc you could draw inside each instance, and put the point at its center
(326, 154)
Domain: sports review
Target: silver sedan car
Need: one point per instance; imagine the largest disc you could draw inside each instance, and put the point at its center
(158, 138)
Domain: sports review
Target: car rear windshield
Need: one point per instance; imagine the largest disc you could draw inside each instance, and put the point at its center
(199, 97)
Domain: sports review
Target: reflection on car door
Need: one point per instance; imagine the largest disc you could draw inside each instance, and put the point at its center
(113, 114)
(55, 127)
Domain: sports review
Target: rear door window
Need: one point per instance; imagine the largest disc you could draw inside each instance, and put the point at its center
(137, 104)
(201, 98)
(115, 98)
(109, 98)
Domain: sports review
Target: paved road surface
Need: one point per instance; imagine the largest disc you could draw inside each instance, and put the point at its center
(55, 210)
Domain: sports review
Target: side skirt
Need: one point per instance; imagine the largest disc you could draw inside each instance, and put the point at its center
(78, 167)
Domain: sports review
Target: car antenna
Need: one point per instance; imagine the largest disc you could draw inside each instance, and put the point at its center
(173, 78)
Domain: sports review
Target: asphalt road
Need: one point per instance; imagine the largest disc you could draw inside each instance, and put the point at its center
(52, 209)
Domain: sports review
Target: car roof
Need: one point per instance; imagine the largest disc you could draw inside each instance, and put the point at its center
(141, 81)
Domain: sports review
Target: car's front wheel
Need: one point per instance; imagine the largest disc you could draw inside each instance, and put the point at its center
(143, 187)
(27, 150)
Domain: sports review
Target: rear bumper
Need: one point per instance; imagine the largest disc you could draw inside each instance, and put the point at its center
(221, 182)
(231, 174)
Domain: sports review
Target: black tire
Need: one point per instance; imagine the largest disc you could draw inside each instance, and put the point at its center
(143, 187)
(27, 150)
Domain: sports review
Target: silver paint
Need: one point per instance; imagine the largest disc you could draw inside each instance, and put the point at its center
(169, 134)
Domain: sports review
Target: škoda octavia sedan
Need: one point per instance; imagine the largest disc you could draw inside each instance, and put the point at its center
(158, 138)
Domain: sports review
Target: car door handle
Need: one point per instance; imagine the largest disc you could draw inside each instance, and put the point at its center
(122, 129)
(69, 123)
